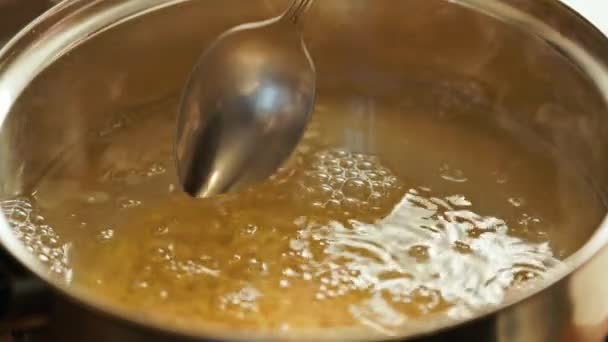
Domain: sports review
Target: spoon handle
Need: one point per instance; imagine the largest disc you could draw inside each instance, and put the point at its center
(296, 9)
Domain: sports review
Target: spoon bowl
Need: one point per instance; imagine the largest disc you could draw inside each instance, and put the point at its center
(245, 106)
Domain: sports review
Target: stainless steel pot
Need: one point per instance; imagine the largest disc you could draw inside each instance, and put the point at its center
(544, 67)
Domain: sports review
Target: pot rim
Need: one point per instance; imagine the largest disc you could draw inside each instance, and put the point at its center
(42, 42)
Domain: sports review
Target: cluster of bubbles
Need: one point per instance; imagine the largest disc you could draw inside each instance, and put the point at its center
(39, 238)
(244, 300)
(348, 182)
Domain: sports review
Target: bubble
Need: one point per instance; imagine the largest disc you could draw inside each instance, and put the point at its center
(451, 174)
(332, 163)
(155, 169)
(161, 229)
(350, 204)
(352, 174)
(391, 182)
(378, 184)
(337, 182)
(338, 153)
(106, 235)
(39, 220)
(359, 156)
(249, 294)
(129, 203)
(318, 177)
(49, 239)
(249, 229)
(161, 254)
(356, 188)
(374, 176)
(335, 170)
(97, 197)
(383, 172)
(324, 191)
(523, 276)
(333, 204)
(365, 165)
(319, 167)
(317, 205)
(347, 163)
(516, 201)
(375, 198)
(527, 220)
(419, 252)
(18, 216)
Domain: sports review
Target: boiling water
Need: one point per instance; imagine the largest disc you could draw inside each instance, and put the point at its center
(382, 224)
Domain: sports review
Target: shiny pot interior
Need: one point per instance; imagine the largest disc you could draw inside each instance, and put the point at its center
(500, 61)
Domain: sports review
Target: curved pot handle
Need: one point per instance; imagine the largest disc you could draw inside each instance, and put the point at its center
(24, 299)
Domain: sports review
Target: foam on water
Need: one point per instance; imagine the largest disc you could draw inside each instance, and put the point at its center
(39, 237)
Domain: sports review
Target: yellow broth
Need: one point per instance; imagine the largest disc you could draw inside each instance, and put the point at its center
(374, 223)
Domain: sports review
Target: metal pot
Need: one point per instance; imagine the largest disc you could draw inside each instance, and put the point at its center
(63, 74)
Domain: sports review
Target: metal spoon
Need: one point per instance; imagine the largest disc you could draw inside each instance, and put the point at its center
(245, 106)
